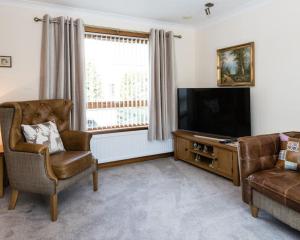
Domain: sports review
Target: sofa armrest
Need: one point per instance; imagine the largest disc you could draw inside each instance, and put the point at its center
(256, 154)
(42, 154)
(76, 140)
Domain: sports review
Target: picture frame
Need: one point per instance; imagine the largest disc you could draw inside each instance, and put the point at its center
(5, 61)
(235, 66)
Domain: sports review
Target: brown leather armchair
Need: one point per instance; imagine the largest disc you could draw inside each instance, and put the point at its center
(30, 167)
(264, 186)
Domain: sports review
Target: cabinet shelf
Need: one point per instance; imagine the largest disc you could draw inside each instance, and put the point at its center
(201, 164)
(204, 154)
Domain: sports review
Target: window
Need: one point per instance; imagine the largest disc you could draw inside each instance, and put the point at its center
(117, 81)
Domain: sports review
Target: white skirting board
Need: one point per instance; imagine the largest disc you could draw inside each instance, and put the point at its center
(125, 145)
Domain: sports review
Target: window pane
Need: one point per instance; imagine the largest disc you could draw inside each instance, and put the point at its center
(117, 79)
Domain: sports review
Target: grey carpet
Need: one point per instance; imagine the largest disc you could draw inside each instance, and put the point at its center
(155, 200)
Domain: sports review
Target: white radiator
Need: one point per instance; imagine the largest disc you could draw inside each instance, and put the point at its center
(124, 145)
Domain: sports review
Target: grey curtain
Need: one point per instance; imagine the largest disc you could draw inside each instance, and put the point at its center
(162, 118)
(62, 65)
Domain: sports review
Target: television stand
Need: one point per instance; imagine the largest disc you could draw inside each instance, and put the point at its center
(207, 153)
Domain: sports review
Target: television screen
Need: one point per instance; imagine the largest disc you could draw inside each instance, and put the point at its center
(215, 111)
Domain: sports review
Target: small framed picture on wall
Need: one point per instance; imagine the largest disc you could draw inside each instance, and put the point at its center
(5, 61)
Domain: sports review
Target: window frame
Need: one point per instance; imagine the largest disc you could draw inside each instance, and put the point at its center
(118, 32)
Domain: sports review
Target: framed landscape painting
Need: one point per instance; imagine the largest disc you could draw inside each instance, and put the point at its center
(235, 65)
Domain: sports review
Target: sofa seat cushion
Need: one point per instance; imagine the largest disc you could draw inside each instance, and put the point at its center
(281, 185)
(69, 163)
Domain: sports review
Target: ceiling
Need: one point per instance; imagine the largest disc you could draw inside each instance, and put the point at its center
(178, 11)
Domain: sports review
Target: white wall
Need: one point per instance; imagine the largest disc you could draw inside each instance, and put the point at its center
(275, 29)
(21, 39)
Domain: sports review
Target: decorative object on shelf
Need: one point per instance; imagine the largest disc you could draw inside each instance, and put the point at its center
(195, 145)
(5, 61)
(197, 158)
(235, 65)
(205, 150)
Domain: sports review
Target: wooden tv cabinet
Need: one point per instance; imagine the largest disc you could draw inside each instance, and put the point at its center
(208, 154)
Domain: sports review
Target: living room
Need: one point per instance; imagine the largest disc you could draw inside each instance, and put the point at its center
(147, 85)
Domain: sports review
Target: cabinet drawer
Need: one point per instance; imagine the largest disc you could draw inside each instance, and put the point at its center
(224, 161)
(182, 149)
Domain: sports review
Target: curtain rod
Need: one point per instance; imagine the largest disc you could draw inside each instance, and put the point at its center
(36, 19)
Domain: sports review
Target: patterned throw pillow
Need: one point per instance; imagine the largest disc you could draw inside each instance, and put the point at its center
(289, 155)
(44, 133)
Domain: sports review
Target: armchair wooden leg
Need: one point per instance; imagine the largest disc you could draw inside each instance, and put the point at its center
(13, 199)
(53, 207)
(254, 211)
(95, 181)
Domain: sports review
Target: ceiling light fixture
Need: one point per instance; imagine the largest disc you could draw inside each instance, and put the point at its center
(207, 9)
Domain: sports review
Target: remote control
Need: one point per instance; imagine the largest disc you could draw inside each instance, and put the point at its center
(225, 141)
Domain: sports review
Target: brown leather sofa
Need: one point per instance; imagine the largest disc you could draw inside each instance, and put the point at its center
(264, 186)
(30, 167)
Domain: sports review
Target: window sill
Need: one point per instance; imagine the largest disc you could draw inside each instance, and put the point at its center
(115, 130)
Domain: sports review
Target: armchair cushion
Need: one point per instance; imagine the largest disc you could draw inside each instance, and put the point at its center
(44, 133)
(70, 163)
(281, 185)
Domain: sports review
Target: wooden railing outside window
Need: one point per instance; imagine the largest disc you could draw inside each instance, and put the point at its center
(117, 79)
(126, 114)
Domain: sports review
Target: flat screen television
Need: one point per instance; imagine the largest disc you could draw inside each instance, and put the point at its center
(215, 111)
